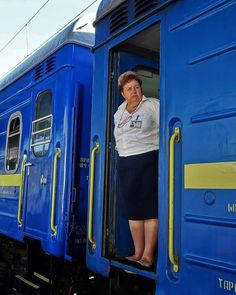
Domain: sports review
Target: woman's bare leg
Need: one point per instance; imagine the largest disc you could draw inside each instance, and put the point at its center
(137, 232)
(151, 233)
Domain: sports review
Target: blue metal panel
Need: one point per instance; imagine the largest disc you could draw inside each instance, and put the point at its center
(82, 93)
(200, 92)
(114, 18)
(106, 6)
(98, 121)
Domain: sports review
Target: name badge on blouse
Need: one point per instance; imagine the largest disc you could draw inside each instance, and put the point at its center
(136, 124)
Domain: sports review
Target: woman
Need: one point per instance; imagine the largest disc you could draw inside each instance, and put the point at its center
(137, 142)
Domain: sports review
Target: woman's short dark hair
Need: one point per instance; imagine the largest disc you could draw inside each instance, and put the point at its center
(126, 77)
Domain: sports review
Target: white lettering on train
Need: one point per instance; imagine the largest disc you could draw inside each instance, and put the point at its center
(231, 208)
(227, 285)
(84, 162)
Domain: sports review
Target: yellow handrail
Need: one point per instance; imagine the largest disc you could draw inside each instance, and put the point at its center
(21, 189)
(173, 258)
(91, 190)
(54, 184)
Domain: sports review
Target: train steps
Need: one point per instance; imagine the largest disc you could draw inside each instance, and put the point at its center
(35, 284)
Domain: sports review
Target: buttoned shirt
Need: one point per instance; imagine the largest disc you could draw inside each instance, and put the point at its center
(137, 132)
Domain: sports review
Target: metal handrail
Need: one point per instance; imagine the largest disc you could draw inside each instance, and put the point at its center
(54, 184)
(19, 218)
(173, 258)
(91, 196)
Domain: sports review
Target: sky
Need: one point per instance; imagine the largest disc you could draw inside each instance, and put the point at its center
(54, 15)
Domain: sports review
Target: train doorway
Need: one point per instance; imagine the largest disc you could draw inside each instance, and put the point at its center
(140, 53)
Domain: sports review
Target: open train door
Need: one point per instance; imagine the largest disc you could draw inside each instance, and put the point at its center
(197, 254)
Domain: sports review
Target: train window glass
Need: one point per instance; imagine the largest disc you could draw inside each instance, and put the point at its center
(151, 81)
(13, 142)
(42, 125)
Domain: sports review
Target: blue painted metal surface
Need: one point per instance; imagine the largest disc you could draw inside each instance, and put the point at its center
(107, 6)
(64, 66)
(197, 62)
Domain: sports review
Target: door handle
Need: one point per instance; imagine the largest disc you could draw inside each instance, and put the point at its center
(174, 259)
(28, 164)
(91, 238)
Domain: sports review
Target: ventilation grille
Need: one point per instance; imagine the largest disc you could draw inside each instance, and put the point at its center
(119, 18)
(50, 64)
(44, 68)
(142, 6)
(38, 72)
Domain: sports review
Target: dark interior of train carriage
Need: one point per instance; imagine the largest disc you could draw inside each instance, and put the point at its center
(142, 54)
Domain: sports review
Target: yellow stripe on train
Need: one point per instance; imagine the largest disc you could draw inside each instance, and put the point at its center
(10, 180)
(219, 175)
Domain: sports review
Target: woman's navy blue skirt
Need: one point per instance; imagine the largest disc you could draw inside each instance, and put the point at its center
(138, 186)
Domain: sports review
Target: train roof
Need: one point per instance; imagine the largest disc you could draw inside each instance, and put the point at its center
(68, 35)
(106, 6)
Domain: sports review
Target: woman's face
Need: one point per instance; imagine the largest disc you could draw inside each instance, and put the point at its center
(132, 92)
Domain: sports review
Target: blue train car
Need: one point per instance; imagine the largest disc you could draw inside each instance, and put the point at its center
(184, 52)
(44, 147)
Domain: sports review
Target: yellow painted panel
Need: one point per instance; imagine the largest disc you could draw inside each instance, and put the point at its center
(10, 180)
(219, 175)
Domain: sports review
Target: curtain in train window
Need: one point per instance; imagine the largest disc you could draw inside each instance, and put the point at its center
(13, 142)
(42, 125)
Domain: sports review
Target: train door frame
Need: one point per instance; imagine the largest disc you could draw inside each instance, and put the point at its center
(96, 254)
(115, 262)
(118, 59)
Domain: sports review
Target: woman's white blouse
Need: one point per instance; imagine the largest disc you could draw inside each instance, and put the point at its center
(138, 132)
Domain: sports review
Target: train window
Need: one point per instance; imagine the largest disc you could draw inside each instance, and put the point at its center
(42, 125)
(13, 142)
